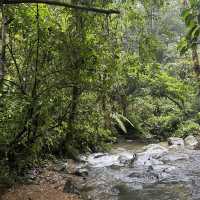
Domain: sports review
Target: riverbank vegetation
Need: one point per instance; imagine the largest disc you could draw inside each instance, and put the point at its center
(72, 79)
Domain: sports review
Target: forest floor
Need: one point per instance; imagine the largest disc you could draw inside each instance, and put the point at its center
(48, 184)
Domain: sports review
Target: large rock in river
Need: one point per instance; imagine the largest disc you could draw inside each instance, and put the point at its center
(191, 142)
(151, 155)
(176, 141)
(155, 150)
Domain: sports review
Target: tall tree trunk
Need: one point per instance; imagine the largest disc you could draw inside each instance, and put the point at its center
(3, 43)
(67, 147)
(72, 114)
(195, 59)
(78, 22)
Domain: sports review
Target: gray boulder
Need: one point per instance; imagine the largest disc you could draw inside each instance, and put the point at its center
(191, 142)
(83, 172)
(175, 141)
(70, 187)
(174, 156)
(155, 150)
(151, 155)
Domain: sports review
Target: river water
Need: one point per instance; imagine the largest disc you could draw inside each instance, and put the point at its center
(132, 172)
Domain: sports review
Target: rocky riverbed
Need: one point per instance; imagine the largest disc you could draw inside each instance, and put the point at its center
(157, 171)
(129, 172)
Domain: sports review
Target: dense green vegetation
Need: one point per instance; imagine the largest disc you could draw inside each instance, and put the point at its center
(73, 80)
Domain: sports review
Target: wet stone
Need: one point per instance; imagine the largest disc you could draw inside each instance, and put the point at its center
(191, 142)
(176, 141)
(172, 157)
(70, 188)
(83, 172)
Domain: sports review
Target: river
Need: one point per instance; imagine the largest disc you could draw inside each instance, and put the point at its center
(130, 171)
(134, 172)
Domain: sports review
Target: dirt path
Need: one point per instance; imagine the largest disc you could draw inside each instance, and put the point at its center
(47, 185)
(37, 192)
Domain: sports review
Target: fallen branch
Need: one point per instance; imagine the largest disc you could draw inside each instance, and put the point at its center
(67, 5)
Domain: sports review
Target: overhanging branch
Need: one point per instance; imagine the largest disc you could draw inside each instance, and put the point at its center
(63, 4)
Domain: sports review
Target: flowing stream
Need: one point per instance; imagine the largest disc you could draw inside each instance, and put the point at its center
(134, 172)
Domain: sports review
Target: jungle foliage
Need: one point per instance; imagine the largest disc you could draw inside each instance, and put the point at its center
(72, 81)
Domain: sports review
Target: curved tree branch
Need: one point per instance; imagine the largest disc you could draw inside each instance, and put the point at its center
(67, 5)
